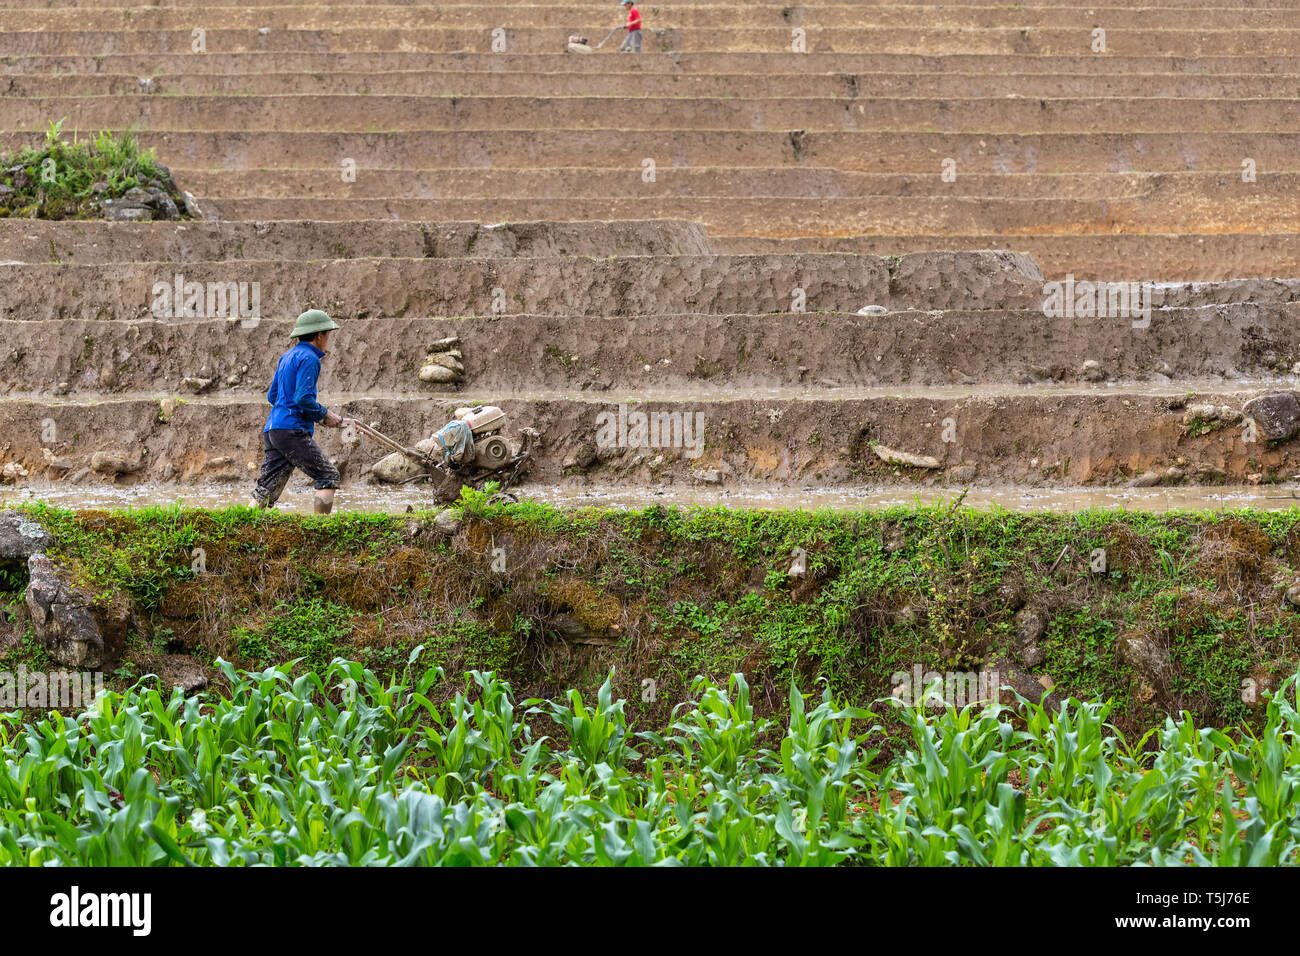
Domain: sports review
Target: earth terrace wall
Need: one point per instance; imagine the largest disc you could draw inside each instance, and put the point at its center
(517, 354)
(1058, 437)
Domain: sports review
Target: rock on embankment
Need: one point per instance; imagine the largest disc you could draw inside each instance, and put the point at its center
(1276, 415)
(79, 628)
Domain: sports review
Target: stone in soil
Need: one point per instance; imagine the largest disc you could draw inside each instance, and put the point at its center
(395, 468)
(112, 463)
(20, 538)
(893, 456)
(1092, 371)
(438, 374)
(447, 521)
(1144, 655)
(1030, 627)
(1276, 415)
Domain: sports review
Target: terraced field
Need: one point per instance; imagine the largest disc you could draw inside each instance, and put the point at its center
(1040, 255)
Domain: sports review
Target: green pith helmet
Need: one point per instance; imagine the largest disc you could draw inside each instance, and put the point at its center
(311, 322)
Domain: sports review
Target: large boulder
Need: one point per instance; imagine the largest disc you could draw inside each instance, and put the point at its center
(142, 203)
(76, 627)
(120, 210)
(1276, 415)
(394, 468)
(20, 538)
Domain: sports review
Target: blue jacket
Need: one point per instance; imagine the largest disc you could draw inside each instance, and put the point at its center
(293, 390)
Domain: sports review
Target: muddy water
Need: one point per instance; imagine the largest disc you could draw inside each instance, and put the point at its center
(397, 500)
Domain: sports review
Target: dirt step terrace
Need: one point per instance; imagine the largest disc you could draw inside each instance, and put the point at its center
(638, 83)
(316, 16)
(607, 64)
(887, 39)
(392, 113)
(100, 242)
(780, 172)
(1248, 343)
(998, 436)
(863, 151)
(613, 285)
(771, 217)
(1180, 257)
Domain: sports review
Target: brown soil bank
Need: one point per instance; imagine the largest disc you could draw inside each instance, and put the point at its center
(299, 16)
(518, 353)
(902, 152)
(885, 39)
(1038, 436)
(218, 62)
(813, 114)
(1183, 258)
(1201, 187)
(567, 286)
(1200, 257)
(800, 216)
(554, 599)
(89, 243)
(645, 83)
(572, 286)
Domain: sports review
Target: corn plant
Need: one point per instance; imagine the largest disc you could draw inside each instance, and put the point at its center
(339, 768)
(596, 736)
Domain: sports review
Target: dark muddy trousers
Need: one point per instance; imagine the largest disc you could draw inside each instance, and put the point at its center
(287, 449)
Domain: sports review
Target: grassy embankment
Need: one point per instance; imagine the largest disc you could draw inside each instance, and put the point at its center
(339, 765)
(665, 595)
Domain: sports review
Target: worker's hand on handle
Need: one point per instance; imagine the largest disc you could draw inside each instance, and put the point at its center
(332, 420)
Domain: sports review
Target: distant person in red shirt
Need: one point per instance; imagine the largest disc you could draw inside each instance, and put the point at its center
(633, 42)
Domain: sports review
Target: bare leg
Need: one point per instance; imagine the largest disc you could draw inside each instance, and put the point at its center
(324, 500)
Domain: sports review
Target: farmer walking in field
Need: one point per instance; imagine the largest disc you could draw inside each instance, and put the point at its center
(287, 438)
(632, 44)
